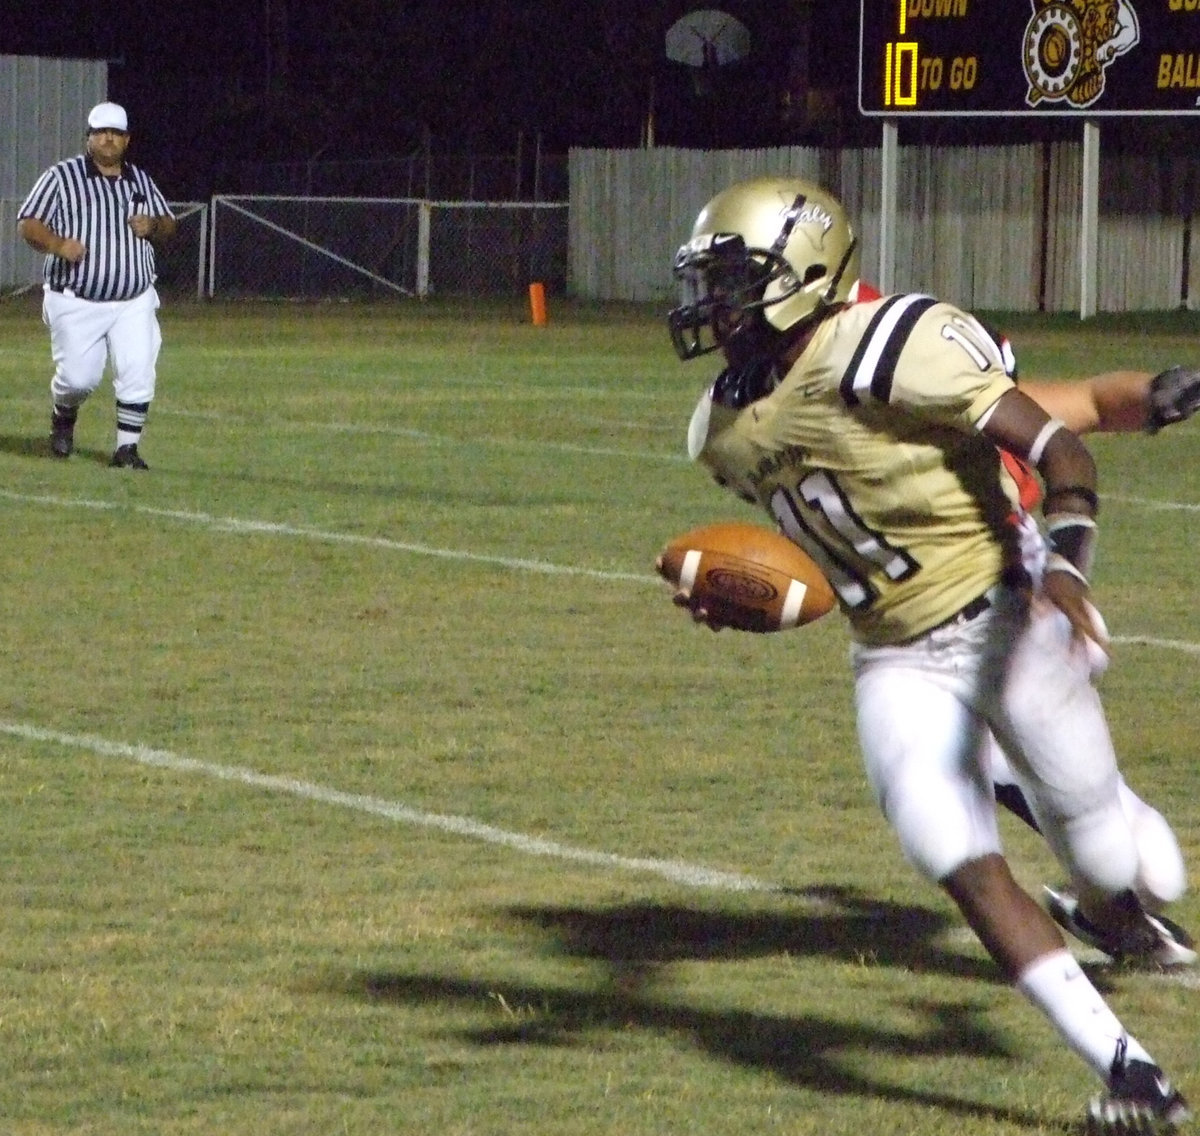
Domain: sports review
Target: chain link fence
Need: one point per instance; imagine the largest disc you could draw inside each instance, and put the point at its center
(183, 261)
(527, 174)
(362, 248)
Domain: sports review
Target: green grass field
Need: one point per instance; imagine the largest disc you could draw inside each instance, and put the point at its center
(358, 776)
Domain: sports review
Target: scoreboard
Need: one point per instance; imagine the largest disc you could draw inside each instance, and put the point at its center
(1029, 57)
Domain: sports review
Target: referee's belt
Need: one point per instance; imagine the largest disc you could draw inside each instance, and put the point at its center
(63, 290)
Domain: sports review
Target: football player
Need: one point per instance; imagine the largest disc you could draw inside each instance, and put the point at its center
(871, 433)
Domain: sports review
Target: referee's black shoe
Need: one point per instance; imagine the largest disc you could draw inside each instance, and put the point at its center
(62, 436)
(127, 457)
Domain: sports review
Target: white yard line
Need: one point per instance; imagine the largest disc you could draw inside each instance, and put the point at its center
(327, 536)
(1161, 644)
(692, 875)
(1157, 506)
(426, 437)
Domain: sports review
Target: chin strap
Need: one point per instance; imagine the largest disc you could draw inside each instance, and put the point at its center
(831, 291)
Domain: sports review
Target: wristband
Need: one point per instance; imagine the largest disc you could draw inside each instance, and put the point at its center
(1071, 540)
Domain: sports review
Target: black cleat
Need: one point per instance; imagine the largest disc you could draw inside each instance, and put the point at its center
(127, 457)
(62, 436)
(1161, 942)
(1140, 1101)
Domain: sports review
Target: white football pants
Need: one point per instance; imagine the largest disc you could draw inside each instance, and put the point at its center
(1162, 874)
(84, 334)
(925, 710)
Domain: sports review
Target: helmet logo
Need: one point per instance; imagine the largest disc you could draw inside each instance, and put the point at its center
(803, 212)
(1069, 45)
(813, 214)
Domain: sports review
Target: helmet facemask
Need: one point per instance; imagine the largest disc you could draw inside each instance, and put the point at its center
(722, 285)
(759, 265)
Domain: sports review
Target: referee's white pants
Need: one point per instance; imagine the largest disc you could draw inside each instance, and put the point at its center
(924, 714)
(85, 334)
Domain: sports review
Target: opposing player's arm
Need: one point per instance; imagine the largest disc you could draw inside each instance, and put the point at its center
(1116, 401)
(1174, 396)
(1120, 401)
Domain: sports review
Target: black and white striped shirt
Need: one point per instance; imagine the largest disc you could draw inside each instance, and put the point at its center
(74, 199)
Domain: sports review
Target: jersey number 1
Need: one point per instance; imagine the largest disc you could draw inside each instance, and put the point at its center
(846, 549)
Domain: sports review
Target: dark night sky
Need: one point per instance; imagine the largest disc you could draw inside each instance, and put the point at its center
(211, 82)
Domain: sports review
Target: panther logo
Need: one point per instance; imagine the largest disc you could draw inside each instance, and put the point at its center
(1069, 45)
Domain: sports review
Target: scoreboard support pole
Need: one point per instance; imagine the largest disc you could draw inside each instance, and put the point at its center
(890, 163)
(1089, 221)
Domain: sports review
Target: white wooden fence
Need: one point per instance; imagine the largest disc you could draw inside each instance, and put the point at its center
(993, 228)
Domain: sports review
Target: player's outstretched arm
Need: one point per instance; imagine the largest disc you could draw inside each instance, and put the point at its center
(1120, 401)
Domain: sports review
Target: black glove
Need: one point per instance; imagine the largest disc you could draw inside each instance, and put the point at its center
(1174, 396)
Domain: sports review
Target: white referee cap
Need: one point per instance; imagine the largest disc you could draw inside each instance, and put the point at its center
(108, 116)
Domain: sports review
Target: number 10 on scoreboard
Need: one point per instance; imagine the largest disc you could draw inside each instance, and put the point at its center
(900, 75)
(900, 66)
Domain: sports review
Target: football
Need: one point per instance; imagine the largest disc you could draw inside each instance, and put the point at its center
(747, 576)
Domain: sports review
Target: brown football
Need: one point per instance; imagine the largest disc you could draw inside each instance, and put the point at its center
(748, 576)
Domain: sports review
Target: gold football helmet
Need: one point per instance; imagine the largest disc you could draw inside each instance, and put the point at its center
(782, 247)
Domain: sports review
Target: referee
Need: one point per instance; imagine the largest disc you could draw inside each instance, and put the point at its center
(97, 218)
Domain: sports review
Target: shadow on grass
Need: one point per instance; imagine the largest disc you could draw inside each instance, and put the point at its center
(634, 944)
(832, 921)
(38, 446)
(25, 445)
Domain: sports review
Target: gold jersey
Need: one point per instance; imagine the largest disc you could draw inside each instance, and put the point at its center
(868, 454)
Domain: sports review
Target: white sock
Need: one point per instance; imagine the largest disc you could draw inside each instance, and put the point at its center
(131, 417)
(1057, 986)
